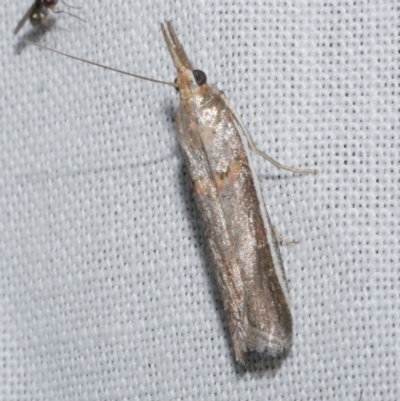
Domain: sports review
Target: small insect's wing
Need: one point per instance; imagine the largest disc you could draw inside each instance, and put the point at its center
(21, 23)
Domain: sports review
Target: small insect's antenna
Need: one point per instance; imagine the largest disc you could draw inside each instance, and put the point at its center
(174, 85)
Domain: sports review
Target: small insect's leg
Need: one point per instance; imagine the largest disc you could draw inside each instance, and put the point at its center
(67, 5)
(66, 12)
(48, 29)
(61, 29)
(284, 240)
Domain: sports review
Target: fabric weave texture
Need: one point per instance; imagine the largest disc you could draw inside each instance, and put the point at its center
(106, 291)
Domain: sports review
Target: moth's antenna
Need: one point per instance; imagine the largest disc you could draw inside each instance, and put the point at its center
(174, 85)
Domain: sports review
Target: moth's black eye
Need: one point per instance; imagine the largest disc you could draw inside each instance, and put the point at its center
(200, 77)
(175, 82)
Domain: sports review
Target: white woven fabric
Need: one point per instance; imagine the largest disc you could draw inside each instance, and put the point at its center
(106, 292)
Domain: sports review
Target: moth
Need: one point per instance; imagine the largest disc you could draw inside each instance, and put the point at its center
(238, 232)
(39, 12)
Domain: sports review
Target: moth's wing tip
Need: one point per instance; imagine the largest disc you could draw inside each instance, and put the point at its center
(239, 353)
(261, 341)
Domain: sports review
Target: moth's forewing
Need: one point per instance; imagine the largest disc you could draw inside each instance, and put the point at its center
(237, 229)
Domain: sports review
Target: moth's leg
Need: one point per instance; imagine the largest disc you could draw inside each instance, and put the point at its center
(284, 240)
(274, 162)
(259, 152)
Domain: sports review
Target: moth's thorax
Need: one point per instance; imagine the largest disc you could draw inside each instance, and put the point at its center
(199, 97)
(202, 117)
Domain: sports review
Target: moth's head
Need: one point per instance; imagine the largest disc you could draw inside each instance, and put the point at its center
(189, 81)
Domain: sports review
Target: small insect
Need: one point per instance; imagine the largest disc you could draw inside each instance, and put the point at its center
(241, 240)
(39, 12)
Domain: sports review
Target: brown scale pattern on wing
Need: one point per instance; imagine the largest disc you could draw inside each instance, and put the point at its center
(271, 303)
(265, 309)
(231, 216)
(205, 186)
